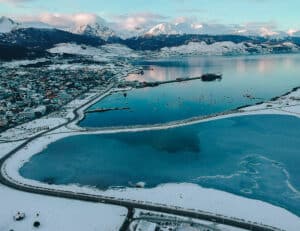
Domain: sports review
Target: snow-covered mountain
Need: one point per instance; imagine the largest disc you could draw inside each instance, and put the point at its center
(262, 32)
(295, 33)
(175, 28)
(7, 25)
(98, 28)
(36, 24)
(188, 27)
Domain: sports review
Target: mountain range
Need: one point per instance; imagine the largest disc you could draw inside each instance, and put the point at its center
(34, 38)
(100, 28)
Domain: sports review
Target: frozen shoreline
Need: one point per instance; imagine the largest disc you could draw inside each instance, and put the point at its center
(56, 213)
(218, 202)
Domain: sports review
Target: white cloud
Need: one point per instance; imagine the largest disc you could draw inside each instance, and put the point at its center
(14, 2)
(63, 20)
(259, 28)
(135, 21)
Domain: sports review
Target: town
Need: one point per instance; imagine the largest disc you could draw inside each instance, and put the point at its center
(32, 91)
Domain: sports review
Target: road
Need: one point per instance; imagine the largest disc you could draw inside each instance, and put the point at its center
(129, 204)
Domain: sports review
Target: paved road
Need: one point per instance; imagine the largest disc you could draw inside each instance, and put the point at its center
(129, 204)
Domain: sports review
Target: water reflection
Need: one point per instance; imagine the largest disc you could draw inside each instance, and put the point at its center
(170, 69)
(245, 81)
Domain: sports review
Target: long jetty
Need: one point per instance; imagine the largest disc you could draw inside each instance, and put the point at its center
(205, 77)
(107, 109)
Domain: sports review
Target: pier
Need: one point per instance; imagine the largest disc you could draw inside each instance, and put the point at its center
(209, 77)
(107, 109)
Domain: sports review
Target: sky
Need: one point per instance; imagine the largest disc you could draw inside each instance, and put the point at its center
(282, 15)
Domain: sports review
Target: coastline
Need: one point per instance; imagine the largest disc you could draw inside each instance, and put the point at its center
(12, 165)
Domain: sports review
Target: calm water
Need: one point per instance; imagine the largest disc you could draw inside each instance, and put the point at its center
(253, 156)
(260, 76)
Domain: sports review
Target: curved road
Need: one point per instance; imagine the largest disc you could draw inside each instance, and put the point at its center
(129, 204)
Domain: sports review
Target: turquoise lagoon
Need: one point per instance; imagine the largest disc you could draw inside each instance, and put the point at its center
(252, 156)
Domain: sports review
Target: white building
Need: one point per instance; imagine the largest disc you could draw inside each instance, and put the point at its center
(145, 226)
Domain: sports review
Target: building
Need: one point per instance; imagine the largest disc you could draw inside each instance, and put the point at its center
(145, 226)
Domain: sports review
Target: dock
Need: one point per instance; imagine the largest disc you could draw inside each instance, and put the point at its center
(205, 78)
(107, 109)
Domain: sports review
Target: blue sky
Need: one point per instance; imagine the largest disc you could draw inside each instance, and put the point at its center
(282, 14)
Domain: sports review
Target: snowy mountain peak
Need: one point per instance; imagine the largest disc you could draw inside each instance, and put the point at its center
(190, 27)
(162, 28)
(98, 27)
(175, 28)
(7, 25)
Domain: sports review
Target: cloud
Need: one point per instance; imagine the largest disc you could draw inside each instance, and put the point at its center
(135, 21)
(64, 20)
(129, 22)
(15, 2)
(262, 28)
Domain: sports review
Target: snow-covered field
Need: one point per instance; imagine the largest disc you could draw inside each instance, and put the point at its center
(289, 104)
(215, 201)
(31, 128)
(56, 213)
(103, 53)
(17, 63)
(201, 48)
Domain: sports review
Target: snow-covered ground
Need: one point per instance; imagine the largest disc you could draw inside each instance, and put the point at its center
(31, 128)
(17, 63)
(56, 213)
(201, 48)
(288, 104)
(219, 48)
(7, 147)
(103, 53)
(214, 201)
(184, 222)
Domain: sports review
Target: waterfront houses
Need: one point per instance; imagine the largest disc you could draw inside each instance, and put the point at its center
(29, 93)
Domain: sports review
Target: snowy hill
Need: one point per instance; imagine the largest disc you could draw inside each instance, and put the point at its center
(7, 25)
(229, 48)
